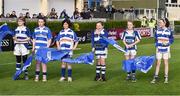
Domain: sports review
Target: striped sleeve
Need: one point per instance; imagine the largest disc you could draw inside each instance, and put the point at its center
(138, 36)
(49, 35)
(123, 36)
(75, 37)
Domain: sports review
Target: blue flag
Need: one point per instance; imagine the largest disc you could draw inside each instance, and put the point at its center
(4, 30)
(87, 58)
(25, 66)
(141, 63)
(45, 55)
(114, 43)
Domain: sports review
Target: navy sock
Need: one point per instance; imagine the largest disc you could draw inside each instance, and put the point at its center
(37, 73)
(98, 70)
(69, 72)
(63, 72)
(18, 66)
(103, 70)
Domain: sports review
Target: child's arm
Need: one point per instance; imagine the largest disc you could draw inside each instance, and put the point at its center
(76, 41)
(57, 42)
(49, 35)
(75, 45)
(49, 43)
(33, 42)
(33, 45)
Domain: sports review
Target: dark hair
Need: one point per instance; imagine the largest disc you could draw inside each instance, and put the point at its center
(100, 23)
(23, 19)
(166, 21)
(42, 18)
(53, 9)
(68, 22)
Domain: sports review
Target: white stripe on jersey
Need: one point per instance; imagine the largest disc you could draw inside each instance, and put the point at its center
(66, 32)
(21, 35)
(67, 38)
(164, 32)
(41, 30)
(40, 41)
(100, 51)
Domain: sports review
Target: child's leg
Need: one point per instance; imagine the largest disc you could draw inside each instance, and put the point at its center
(166, 70)
(157, 67)
(69, 70)
(37, 70)
(133, 70)
(132, 57)
(98, 68)
(24, 60)
(127, 57)
(18, 62)
(44, 71)
(63, 69)
(166, 67)
(103, 68)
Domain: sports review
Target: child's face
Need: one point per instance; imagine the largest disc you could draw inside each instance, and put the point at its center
(41, 22)
(161, 23)
(65, 25)
(130, 25)
(20, 22)
(99, 26)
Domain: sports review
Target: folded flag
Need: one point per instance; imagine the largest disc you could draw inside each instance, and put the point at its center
(4, 30)
(87, 58)
(25, 66)
(114, 43)
(45, 55)
(141, 63)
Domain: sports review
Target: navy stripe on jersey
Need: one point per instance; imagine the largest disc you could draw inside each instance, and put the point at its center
(130, 38)
(41, 36)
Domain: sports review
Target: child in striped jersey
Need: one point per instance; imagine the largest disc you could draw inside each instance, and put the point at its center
(66, 40)
(21, 39)
(130, 38)
(99, 47)
(41, 39)
(163, 39)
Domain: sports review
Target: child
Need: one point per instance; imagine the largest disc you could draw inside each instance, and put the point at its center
(163, 40)
(130, 38)
(66, 40)
(21, 38)
(41, 39)
(99, 46)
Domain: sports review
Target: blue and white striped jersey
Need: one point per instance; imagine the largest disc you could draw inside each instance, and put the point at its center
(21, 33)
(164, 38)
(130, 38)
(66, 39)
(41, 36)
(97, 42)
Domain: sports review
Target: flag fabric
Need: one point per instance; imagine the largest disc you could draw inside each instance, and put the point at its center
(87, 58)
(45, 55)
(25, 66)
(4, 30)
(114, 43)
(141, 63)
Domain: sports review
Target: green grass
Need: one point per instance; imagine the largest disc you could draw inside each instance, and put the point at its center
(83, 76)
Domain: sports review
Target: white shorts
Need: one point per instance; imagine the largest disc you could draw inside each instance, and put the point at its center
(101, 53)
(165, 55)
(20, 49)
(131, 52)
